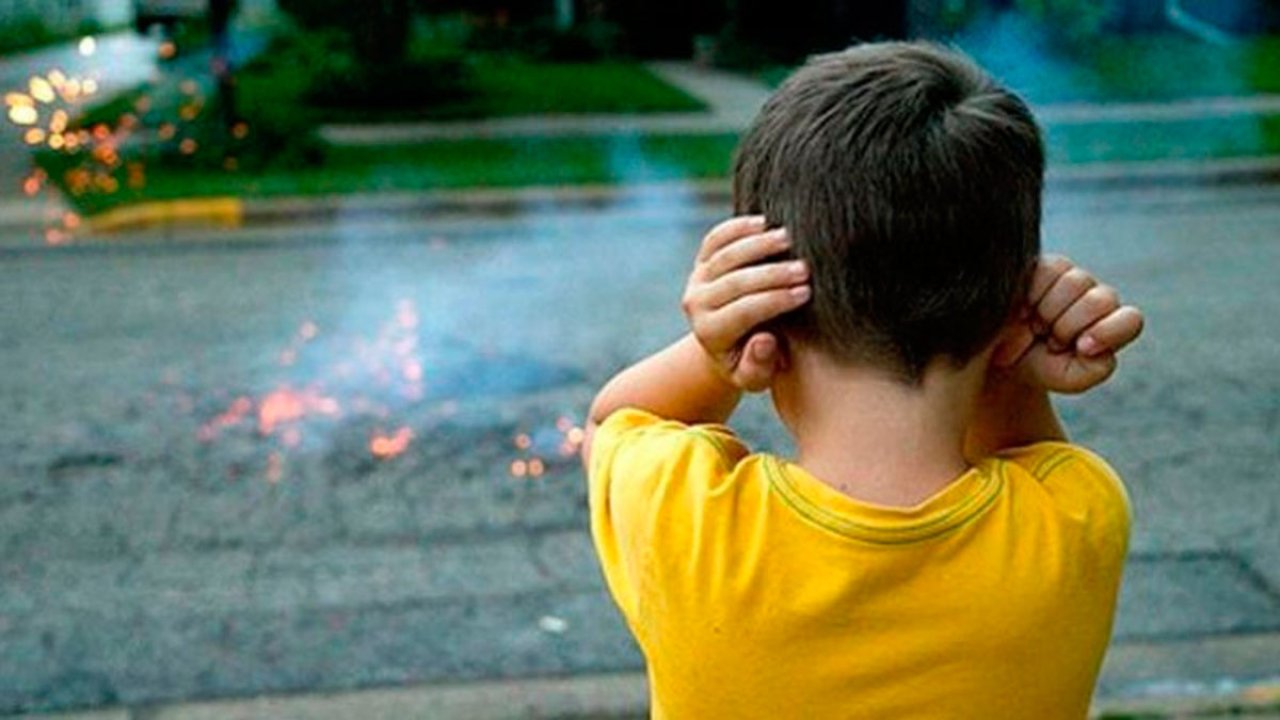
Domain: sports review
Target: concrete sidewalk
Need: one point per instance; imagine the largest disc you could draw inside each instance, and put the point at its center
(733, 99)
(623, 696)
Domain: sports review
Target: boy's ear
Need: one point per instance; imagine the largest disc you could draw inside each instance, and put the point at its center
(1013, 341)
(764, 355)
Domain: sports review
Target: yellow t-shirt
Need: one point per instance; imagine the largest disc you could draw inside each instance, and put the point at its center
(757, 591)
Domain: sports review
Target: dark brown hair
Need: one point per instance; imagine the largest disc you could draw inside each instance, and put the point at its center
(911, 183)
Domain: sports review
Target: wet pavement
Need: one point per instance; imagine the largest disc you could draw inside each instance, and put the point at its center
(340, 455)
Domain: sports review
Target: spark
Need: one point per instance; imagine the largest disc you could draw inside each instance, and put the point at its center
(90, 87)
(58, 122)
(523, 441)
(41, 90)
(23, 115)
(34, 136)
(389, 446)
(167, 50)
(167, 131)
(519, 468)
(536, 468)
(17, 98)
(88, 46)
(188, 146)
(240, 130)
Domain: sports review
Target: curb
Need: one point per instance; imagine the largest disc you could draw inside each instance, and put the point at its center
(232, 212)
(227, 212)
(624, 696)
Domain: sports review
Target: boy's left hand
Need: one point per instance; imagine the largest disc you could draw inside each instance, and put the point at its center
(729, 294)
(1069, 332)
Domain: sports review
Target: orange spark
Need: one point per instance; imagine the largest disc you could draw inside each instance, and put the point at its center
(23, 115)
(41, 89)
(389, 446)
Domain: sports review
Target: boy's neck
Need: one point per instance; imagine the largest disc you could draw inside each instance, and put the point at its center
(878, 440)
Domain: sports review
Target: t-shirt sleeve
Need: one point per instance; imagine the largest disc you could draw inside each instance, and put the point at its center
(647, 476)
(1082, 486)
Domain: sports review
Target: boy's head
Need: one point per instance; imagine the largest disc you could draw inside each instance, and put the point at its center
(910, 181)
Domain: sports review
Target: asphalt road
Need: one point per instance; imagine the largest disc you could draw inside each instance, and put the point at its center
(202, 494)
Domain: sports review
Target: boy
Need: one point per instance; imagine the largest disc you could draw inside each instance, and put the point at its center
(936, 549)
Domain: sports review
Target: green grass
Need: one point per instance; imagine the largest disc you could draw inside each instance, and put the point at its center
(592, 160)
(506, 87)
(1142, 68)
(1186, 140)
(1158, 67)
(439, 165)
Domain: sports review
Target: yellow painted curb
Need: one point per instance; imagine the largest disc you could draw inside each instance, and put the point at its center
(219, 211)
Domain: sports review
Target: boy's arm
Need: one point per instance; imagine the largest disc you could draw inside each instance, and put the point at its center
(679, 382)
(1065, 340)
(700, 378)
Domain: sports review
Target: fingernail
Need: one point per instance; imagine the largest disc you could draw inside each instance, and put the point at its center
(800, 292)
(798, 269)
(1088, 345)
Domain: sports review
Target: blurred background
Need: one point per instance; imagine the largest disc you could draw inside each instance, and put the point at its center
(302, 303)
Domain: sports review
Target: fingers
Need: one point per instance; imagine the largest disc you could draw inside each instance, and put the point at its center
(1095, 304)
(1069, 287)
(745, 281)
(743, 252)
(730, 230)
(1112, 333)
(738, 317)
(1048, 270)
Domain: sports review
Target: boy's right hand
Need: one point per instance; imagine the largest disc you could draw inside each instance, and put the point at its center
(729, 294)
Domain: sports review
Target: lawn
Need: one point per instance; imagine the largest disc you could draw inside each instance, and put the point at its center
(1111, 69)
(511, 86)
(634, 159)
(1158, 67)
(435, 165)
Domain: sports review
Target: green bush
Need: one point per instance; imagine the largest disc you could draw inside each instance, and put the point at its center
(334, 74)
(588, 40)
(26, 32)
(1069, 22)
